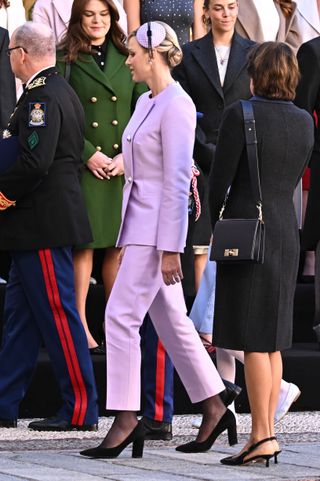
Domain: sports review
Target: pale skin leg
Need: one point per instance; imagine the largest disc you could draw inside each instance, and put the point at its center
(200, 261)
(83, 261)
(109, 269)
(263, 376)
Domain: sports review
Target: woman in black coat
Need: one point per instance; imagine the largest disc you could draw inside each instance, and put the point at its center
(254, 302)
(213, 72)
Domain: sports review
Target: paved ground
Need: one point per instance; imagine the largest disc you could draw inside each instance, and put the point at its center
(27, 455)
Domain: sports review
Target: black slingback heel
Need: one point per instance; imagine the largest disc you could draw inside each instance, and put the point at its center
(240, 459)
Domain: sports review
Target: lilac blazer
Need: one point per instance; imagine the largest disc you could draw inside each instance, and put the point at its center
(157, 145)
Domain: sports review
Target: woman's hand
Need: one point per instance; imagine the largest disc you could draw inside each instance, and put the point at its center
(98, 164)
(171, 268)
(116, 166)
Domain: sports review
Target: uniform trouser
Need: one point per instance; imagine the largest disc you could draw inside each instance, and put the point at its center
(138, 289)
(158, 372)
(40, 305)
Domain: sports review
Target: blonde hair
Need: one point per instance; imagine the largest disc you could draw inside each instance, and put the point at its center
(169, 48)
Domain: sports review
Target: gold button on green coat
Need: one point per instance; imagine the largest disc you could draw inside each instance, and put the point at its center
(116, 95)
(95, 125)
(114, 122)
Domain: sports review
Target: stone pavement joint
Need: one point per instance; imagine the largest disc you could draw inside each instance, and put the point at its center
(51, 456)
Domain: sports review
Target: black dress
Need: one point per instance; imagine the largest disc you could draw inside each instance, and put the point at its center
(254, 302)
(176, 13)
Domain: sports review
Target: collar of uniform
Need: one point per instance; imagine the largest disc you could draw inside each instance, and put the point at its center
(38, 73)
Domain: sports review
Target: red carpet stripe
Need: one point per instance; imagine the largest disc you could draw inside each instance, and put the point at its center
(65, 336)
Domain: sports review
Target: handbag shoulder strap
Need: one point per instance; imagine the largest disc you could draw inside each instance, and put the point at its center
(252, 151)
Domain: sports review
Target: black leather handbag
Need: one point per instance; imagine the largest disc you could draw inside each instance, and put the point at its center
(242, 240)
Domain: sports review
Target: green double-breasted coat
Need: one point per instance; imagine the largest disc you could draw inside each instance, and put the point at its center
(108, 98)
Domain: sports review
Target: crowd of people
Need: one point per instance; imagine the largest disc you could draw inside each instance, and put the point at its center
(125, 135)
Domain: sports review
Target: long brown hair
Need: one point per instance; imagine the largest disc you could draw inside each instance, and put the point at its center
(286, 7)
(76, 40)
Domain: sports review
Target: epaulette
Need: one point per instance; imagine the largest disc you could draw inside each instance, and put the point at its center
(38, 82)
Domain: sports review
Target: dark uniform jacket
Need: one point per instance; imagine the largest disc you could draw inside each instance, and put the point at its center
(308, 97)
(7, 83)
(44, 182)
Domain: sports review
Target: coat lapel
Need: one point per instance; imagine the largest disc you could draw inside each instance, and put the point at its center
(205, 55)
(237, 60)
(63, 8)
(309, 12)
(114, 61)
(249, 20)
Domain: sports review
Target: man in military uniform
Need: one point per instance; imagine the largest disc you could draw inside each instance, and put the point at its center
(42, 216)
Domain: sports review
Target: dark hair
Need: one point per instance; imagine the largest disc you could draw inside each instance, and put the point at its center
(286, 6)
(206, 5)
(274, 70)
(4, 3)
(75, 39)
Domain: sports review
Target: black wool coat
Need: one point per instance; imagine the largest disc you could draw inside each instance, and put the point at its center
(45, 179)
(254, 302)
(198, 74)
(308, 97)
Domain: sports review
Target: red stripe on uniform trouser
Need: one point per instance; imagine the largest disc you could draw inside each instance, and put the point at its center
(160, 382)
(60, 317)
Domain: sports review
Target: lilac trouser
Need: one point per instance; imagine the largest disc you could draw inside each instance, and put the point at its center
(138, 289)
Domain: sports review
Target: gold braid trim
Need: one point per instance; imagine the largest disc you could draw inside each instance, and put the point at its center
(5, 202)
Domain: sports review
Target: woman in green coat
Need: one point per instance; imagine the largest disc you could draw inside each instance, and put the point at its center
(92, 58)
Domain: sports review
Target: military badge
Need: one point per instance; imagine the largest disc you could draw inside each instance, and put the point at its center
(38, 82)
(37, 114)
(33, 140)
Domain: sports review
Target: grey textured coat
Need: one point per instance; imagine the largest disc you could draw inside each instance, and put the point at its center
(254, 303)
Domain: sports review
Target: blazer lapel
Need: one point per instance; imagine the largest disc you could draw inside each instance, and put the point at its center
(237, 60)
(89, 66)
(249, 19)
(114, 61)
(63, 8)
(309, 12)
(205, 55)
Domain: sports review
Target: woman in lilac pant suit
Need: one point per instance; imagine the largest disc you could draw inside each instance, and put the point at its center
(157, 148)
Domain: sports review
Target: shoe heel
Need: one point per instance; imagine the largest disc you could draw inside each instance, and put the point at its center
(232, 435)
(137, 448)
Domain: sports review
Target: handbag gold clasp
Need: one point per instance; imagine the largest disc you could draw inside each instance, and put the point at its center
(231, 252)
